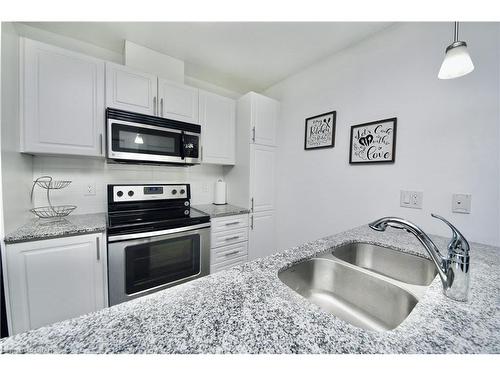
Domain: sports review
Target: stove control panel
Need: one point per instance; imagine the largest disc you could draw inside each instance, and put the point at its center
(133, 193)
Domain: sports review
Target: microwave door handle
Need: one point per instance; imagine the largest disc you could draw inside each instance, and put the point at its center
(182, 145)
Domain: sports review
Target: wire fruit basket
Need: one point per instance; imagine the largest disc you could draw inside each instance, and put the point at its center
(51, 211)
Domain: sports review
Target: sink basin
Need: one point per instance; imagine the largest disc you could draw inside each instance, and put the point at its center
(404, 267)
(351, 294)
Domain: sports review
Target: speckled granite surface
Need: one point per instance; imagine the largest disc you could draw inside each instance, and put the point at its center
(215, 210)
(248, 310)
(42, 229)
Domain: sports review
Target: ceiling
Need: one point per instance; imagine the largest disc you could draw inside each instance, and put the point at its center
(240, 56)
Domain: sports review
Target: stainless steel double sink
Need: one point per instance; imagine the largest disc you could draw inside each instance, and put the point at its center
(369, 286)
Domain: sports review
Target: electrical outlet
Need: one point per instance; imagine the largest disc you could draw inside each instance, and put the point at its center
(411, 199)
(89, 189)
(205, 187)
(461, 203)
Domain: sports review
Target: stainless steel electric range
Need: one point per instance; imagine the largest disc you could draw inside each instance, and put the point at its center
(155, 240)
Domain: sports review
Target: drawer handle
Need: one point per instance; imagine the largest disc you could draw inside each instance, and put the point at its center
(232, 253)
(232, 238)
(233, 223)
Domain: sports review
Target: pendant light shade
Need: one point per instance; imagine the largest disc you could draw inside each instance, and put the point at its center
(457, 61)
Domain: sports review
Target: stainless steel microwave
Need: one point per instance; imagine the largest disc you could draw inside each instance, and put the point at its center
(135, 137)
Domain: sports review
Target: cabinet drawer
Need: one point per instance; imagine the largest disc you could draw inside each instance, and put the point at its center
(229, 223)
(228, 264)
(228, 237)
(225, 253)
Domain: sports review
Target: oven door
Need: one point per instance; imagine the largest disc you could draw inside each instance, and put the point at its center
(134, 141)
(140, 266)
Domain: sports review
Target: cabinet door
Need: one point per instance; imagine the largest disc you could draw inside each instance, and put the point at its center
(131, 90)
(261, 235)
(264, 120)
(54, 280)
(217, 118)
(262, 175)
(62, 101)
(178, 101)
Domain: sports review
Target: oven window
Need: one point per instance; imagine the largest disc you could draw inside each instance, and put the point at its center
(160, 262)
(144, 141)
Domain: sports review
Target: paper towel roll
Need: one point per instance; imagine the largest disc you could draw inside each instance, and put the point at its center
(220, 192)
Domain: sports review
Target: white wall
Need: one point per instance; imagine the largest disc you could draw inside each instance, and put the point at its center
(148, 60)
(447, 136)
(82, 171)
(16, 167)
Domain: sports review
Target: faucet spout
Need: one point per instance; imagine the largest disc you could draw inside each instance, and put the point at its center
(453, 269)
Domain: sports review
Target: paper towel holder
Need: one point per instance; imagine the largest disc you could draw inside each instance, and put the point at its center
(220, 192)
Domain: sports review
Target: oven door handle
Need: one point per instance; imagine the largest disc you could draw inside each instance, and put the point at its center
(135, 236)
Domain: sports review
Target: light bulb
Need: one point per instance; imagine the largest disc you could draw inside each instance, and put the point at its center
(138, 139)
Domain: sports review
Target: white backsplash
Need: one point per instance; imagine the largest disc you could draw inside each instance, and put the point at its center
(95, 171)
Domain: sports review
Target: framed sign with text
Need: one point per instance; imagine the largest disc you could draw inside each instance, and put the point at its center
(373, 142)
(320, 131)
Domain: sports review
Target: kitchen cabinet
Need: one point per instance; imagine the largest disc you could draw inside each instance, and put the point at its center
(229, 242)
(56, 279)
(131, 90)
(218, 120)
(177, 101)
(262, 171)
(62, 101)
(251, 181)
(135, 91)
(264, 117)
(261, 234)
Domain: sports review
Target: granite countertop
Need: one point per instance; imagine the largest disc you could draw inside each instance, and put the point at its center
(42, 229)
(248, 310)
(215, 210)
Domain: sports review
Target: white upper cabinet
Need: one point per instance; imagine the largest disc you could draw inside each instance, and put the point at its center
(131, 90)
(262, 171)
(177, 101)
(56, 279)
(62, 101)
(217, 119)
(264, 120)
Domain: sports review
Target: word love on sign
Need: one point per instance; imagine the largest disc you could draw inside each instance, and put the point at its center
(320, 131)
(373, 142)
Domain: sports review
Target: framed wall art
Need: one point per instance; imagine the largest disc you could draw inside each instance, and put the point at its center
(373, 142)
(320, 131)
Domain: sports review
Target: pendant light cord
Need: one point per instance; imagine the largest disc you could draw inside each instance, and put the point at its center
(455, 33)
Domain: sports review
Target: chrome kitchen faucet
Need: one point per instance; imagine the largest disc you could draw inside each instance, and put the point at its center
(452, 269)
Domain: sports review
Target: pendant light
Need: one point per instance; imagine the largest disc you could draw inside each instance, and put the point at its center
(457, 61)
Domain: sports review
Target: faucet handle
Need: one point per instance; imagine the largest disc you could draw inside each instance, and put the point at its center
(458, 243)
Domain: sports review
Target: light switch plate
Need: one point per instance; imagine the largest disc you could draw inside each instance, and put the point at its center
(461, 203)
(411, 199)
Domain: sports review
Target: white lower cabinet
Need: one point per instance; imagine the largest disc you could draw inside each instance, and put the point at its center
(56, 279)
(229, 242)
(261, 237)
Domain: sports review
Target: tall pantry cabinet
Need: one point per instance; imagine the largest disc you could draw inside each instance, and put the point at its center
(251, 182)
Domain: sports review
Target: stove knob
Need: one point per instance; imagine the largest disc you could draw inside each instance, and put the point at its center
(174, 192)
(186, 203)
(130, 193)
(186, 212)
(182, 191)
